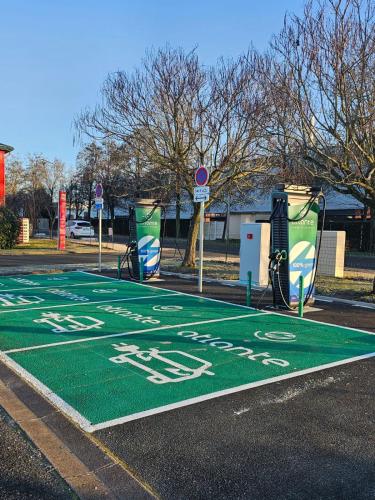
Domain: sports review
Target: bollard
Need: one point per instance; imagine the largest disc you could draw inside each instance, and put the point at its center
(119, 267)
(248, 289)
(141, 269)
(301, 296)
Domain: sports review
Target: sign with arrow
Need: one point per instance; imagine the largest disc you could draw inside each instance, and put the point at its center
(201, 194)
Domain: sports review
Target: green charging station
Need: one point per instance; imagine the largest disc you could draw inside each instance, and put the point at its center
(144, 239)
(294, 249)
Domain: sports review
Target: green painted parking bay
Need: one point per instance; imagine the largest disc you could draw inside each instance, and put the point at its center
(109, 361)
(53, 296)
(150, 308)
(29, 281)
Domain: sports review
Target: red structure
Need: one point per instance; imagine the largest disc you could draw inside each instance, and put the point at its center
(62, 221)
(4, 149)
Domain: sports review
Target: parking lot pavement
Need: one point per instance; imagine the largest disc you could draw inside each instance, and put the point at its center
(307, 437)
(24, 471)
(303, 438)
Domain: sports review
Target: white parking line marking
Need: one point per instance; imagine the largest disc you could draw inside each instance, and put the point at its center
(66, 285)
(125, 334)
(90, 303)
(89, 427)
(249, 308)
(225, 392)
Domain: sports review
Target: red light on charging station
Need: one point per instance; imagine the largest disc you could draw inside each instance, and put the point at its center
(249, 236)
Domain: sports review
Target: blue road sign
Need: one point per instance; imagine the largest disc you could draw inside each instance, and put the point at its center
(201, 176)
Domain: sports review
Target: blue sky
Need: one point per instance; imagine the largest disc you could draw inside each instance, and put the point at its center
(56, 54)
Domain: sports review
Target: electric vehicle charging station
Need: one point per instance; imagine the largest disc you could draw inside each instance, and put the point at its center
(294, 224)
(143, 255)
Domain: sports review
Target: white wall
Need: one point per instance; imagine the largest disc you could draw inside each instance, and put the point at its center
(254, 252)
(332, 254)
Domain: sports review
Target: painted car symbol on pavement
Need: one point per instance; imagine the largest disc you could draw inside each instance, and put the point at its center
(178, 366)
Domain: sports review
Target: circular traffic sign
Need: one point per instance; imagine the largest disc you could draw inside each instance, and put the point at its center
(99, 190)
(201, 176)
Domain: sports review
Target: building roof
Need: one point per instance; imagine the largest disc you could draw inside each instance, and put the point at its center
(262, 204)
(7, 149)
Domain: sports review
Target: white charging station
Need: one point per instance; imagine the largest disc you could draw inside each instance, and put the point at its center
(254, 252)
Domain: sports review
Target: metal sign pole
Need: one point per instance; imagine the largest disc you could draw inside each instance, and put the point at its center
(201, 238)
(201, 195)
(99, 206)
(100, 239)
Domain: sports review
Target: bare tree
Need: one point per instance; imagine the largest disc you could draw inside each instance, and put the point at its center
(114, 175)
(52, 180)
(42, 180)
(320, 74)
(16, 185)
(76, 195)
(89, 162)
(36, 195)
(175, 113)
(15, 175)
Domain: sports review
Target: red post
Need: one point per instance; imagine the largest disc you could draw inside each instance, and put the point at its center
(4, 149)
(62, 221)
(2, 178)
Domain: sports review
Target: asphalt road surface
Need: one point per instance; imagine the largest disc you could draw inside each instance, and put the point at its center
(24, 472)
(51, 259)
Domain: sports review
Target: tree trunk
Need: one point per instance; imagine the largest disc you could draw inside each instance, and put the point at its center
(112, 212)
(178, 214)
(51, 216)
(190, 252)
(70, 205)
(89, 201)
(372, 230)
(33, 215)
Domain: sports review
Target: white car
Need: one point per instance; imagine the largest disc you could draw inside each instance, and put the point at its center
(79, 229)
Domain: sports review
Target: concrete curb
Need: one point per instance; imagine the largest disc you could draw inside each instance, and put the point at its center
(85, 464)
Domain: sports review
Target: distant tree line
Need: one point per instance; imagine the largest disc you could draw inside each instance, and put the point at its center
(32, 187)
(302, 112)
